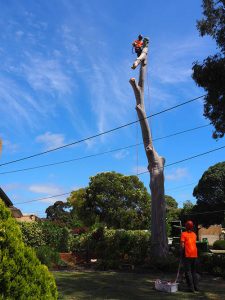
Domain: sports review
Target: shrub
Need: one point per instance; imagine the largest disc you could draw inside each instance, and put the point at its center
(213, 264)
(114, 245)
(38, 234)
(32, 234)
(47, 256)
(21, 274)
(219, 245)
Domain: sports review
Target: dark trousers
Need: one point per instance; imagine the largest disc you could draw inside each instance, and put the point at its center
(138, 51)
(190, 267)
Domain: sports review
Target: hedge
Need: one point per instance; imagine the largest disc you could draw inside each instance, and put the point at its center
(213, 264)
(38, 234)
(114, 245)
(219, 245)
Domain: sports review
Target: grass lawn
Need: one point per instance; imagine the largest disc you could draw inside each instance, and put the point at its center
(132, 286)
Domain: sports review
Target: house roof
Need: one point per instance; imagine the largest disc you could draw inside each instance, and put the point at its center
(5, 198)
(16, 212)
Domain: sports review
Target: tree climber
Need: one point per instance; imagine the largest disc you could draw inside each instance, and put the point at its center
(138, 45)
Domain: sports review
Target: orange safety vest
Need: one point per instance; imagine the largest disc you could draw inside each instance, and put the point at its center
(137, 44)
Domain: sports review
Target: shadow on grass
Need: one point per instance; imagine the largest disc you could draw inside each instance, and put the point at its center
(132, 286)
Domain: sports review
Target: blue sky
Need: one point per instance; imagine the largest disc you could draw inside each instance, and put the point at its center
(64, 72)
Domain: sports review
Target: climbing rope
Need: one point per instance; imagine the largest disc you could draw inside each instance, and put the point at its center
(137, 142)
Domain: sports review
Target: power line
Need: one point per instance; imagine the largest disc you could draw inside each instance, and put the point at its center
(205, 212)
(100, 134)
(181, 186)
(185, 159)
(34, 200)
(186, 214)
(44, 198)
(101, 153)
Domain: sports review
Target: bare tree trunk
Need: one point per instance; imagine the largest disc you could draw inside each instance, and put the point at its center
(159, 242)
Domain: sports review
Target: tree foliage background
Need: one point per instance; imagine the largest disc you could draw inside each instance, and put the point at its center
(210, 74)
(116, 200)
(210, 194)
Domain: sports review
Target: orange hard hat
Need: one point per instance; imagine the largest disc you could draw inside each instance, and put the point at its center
(189, 225)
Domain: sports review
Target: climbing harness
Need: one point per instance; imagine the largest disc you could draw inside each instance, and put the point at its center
(138, 45)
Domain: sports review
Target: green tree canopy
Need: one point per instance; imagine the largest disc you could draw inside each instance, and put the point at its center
(172, 212)
(187, 212)
(210, 194)
(210, 74)
(116, 200)
(58, 212)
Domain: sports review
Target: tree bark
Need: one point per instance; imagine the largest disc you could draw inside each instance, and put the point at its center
(159, 242)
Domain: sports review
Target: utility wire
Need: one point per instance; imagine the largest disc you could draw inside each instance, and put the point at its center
(100, 134)
(180, 186)
(203, 213)
(185, 159)
(34, 200)
(101, 153)
(44, 198)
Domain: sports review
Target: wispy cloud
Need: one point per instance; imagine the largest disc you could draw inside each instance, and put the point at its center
(172, 62)
(121, 154)
(11, 187)
(107, 86)
(177, 174)
(51, 140)
(47, 75)
(9, 146)
(18, 104)
(49, 189)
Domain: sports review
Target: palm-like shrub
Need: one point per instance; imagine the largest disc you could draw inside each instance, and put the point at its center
(21, 274)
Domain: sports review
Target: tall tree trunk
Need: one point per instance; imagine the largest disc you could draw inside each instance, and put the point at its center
(159, 242)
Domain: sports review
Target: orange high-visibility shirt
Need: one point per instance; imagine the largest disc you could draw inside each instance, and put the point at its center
(189, 240)
(138, 44)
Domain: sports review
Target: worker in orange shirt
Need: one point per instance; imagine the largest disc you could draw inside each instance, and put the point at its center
(190, 255)
(138, 45)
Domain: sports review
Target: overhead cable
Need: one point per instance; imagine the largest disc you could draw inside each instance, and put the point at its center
(99, 134)
(34, 200)
(185, 159)
(98, 154)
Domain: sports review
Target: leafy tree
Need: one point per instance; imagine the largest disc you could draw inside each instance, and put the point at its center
(210, 194)
(210, 75)
(78, 213)
(171, 203)
(172, 212)
(116, 200)
(186, 212)
(21, 274)
(58, 212)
